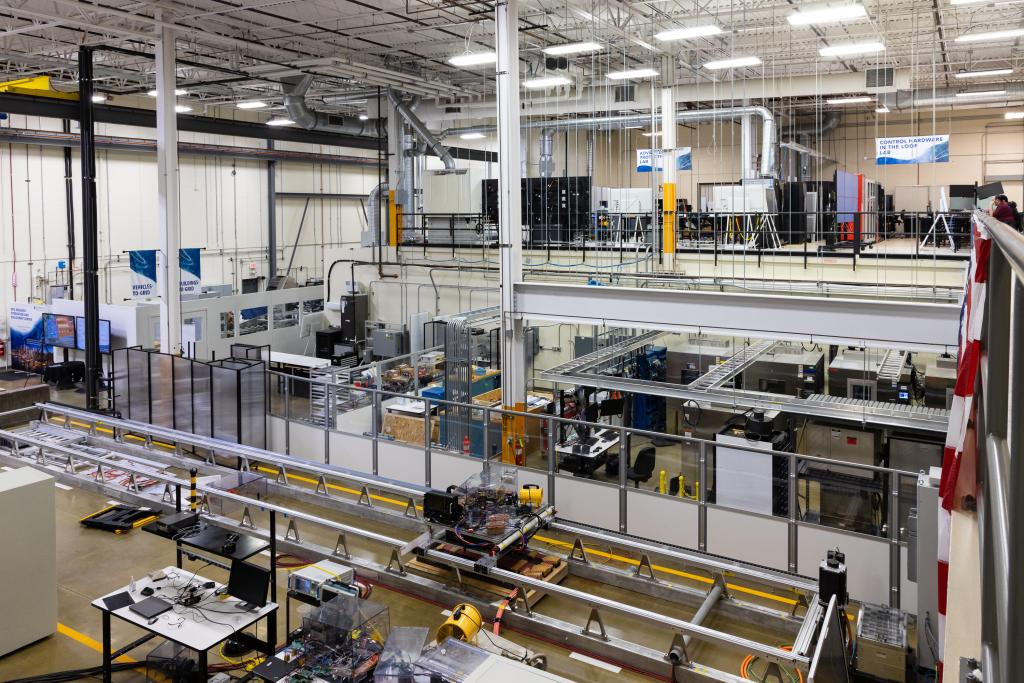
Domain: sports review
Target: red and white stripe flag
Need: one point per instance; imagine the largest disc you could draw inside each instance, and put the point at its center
(959, 461)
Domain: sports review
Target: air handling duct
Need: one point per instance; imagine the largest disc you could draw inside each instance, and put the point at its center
(804, 133)
(769, 136)
(950, 97)
(298, 111)
(422, 131)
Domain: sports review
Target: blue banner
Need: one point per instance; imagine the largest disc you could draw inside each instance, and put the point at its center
(917, 149)
(191, 276)
(25, 322)
(143, 267)
(648, 160)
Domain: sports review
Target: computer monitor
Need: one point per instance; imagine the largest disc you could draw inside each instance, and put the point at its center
(59, 330)
(104, 334)
(249, 583)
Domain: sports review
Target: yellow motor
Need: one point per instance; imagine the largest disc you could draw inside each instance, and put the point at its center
(463, 624)
(531, 494)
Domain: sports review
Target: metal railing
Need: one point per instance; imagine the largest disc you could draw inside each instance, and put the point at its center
(1000, 445)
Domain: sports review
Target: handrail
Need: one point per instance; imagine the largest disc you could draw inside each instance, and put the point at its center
(1010, 242)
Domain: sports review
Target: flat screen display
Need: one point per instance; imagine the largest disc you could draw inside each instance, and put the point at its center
(59, 330)
(104, 335)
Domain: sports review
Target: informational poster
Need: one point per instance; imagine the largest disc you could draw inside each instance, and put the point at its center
(191, 278)
(28, 352)
(648, 160)
(143, 267)
(916, 149)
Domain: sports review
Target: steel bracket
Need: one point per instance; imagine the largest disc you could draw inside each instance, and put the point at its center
(678, 648)
(645, 561)
(410, 509)
(292, 533)
(168, 495)
(578, 552)
(341, 547)
(282, 476)
(247, 519)
(133, 483)
(595, 616)
(364, 497)
(321, 486)
(204, 506)
(396, 560)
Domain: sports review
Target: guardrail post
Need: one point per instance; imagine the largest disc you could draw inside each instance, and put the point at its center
(329, 388)
(792, 498)
(894, 539)
(623, 467)
(486, 441)
(702, 499)
(288, 415)
(426, 441)
(552, 460)
(375, 412)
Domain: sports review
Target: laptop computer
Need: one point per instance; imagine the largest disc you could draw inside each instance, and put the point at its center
(150, 607)
(118, 600)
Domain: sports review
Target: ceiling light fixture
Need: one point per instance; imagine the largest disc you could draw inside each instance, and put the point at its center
(364, 117)
(882, 110)
(99, 98)
(254, 104)
(573, 48)
(280, 122)
(1014, 115)
(182, 108)
(688, 32)
(990, 35)
(177, 91)
(732, 63)
(473, 59)
(981, 93)
(826, 15)
(472, 136)
(632, 73)
(546, 82)
(983, 74)
(651, 135)
(849, 100)
(850, 49)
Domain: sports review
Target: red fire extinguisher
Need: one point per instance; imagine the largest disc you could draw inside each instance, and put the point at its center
(3, 348)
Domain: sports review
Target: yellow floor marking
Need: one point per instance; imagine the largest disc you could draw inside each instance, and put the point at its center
(89, 642)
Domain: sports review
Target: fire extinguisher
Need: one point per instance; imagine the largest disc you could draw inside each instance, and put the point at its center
(3, 348)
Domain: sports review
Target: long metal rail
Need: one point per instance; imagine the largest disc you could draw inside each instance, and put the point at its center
(737, 363)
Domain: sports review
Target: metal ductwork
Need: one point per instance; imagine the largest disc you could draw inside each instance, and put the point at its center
(947, 97)
(298, 111)
(804, 133)
(545, 160)
(422, 131)
(373, 213)
(769, 135)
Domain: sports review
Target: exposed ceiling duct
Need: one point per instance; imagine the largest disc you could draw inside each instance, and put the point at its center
(422, 131)
(1001, 93)
(769, 135)
(295, 90)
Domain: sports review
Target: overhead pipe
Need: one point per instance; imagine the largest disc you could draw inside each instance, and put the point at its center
(590, 154)
(373, 213)
(803, 134)
(769, 135)
(545, 159)
(943, 97)
(298, 111)
(422, 131)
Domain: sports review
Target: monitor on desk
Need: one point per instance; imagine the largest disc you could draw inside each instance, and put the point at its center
(612, 406)
(249, 583)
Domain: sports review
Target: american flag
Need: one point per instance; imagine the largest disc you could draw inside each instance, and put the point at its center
(959, 457)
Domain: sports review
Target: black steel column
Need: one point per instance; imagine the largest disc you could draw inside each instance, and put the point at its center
(271, 217)
(69, 203)
(90, 260)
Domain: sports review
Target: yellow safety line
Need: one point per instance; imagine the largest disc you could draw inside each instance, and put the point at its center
(89, 642)
(542, 539)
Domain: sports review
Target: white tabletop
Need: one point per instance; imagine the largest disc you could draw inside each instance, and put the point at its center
(199, 627)
(410, 406)
(298, 360)
(606, 439)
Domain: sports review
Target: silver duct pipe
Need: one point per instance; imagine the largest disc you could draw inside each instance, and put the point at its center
(947, 97)
(298, 111)
(590, 154)
(355, 97)
(746, 147)
(407, 182)
(373, 212)
(421, 130)
(769, 135)
(545, 160)
(803, 133)
(524, 156)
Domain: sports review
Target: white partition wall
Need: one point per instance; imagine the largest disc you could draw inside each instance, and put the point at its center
(400, 462)
(306, 442)
(276, 436)
(587, 502)
(867, 560)
(662, 518)
(447, 469)
(348, 450)
(748, 537)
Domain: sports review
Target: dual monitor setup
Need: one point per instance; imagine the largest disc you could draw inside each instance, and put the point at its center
(68, 332)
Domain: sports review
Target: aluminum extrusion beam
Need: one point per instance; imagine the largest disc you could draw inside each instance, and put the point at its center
(858, 322)
(740, 361)
(592, 360)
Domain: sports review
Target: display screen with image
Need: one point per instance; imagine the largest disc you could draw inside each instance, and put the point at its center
(104, 335)
(59, 330)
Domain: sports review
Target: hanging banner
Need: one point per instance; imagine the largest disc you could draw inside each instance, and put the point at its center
(143, 267)
(684, 160)
(191, 279)
(917, 149)
(26, 327)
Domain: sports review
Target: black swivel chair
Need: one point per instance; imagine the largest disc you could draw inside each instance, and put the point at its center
(642, 468)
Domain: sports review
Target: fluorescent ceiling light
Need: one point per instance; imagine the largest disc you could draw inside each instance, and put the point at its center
(177, 91)
(651, 135)
(363, 117)
(882, 110)
(688, 32)
(573, 48)
(473, 59)
(849, 100)
(182, 108)
(254, 104)
(632, 73)
(983, 74)
(981, 93)
(472, 136)
(850, 49)
(826, 15)
(280, 122)
(990, 35)
(732, 63)
(1014, 115)
(546, 82)
(99, 98)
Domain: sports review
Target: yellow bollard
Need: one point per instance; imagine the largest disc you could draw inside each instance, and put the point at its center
(662, 488)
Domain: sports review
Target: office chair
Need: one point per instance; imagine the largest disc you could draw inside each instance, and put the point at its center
(673, 486)
(611, 468)
(642, 468)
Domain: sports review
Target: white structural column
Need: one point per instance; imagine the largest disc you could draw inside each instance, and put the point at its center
(513, 356)
(168, 274)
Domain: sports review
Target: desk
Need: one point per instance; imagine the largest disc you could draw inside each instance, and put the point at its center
(585, 463)
(200, 627)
